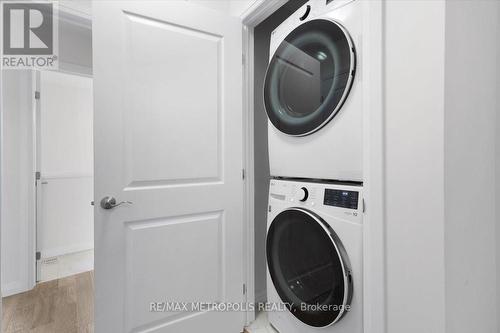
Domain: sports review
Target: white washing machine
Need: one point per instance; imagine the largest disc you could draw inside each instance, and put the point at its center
(313, 93)
(314, 257)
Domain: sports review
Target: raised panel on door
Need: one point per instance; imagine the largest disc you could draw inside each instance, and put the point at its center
(175, 98)
(199, 279)
(168, 133)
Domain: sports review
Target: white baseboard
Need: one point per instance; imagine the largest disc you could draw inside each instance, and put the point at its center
(13, 288)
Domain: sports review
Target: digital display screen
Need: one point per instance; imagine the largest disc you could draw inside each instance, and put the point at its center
(341, 198)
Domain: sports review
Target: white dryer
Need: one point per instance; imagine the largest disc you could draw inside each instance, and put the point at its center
(314, 257)
(313, 93)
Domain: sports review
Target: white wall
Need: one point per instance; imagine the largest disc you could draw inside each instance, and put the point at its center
(17, 185)
(238, 7)
(440, 113)
(75, 44)
(213, 4)
(414, 95)
(232, 7)
(470, 107)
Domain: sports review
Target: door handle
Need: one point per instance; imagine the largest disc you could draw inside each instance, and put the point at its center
(110, 202)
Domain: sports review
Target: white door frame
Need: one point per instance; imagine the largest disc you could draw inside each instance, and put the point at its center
(255, 14)
(374, 235)
(373, 158)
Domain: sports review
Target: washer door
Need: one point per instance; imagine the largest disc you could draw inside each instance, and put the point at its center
(309, 77)
(309, 267)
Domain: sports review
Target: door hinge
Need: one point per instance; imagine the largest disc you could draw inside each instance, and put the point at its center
(38, 175)
(243, 174)
(38, 255)
(244, 289)
(364, 205)
(269, 208)
(37, 95)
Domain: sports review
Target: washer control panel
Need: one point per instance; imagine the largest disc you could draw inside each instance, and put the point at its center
(311, 194)
(334, 200)
(341, 198)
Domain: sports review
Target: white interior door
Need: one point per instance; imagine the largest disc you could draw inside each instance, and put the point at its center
(65, 221)
(168, 138)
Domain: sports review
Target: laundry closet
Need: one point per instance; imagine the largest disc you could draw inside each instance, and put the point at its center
(308, 165)
(426, 106)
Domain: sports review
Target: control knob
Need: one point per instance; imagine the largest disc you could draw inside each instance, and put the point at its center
(302, 194)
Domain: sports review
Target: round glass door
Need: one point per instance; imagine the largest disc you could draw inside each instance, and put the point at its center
(309, 77)
(309, 267)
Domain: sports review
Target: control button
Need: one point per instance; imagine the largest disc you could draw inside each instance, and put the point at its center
(303, 194)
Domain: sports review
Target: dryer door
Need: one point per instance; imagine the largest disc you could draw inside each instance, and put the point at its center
(309, 267)
(309, 77)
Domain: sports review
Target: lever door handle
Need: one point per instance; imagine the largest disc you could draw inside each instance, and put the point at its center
(110, 202)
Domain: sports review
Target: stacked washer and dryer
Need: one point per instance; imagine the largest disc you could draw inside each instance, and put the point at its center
(313, 98)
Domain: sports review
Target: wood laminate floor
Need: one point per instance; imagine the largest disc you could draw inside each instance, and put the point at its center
(59, 306)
